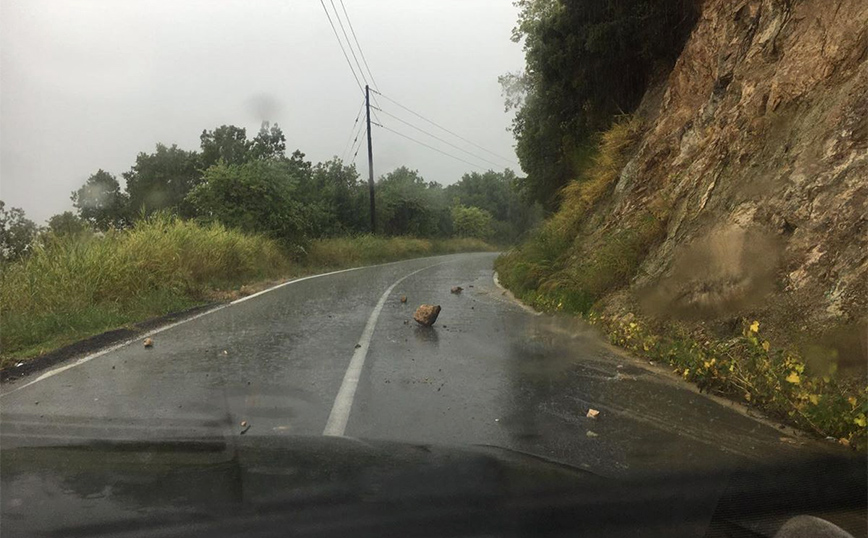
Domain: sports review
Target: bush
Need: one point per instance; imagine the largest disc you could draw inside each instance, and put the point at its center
(255, 197)
(471, 222)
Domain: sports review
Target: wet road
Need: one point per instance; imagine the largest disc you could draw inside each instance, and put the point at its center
(488, 372)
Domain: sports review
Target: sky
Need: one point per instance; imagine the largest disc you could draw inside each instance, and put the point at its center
(88, 84)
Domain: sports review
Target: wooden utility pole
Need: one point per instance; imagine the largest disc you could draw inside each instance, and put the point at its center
(370, 161)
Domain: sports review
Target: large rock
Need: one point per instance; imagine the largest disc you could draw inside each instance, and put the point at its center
(427, 314)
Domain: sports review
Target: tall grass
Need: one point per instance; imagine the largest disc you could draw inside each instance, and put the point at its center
(563, 268)
(72, 287)
(370, 249)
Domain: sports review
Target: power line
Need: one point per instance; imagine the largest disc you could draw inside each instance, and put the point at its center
(507, 159)
(429, 147)
(357, 143)
(347, 38)
(423, 131)
(322, 3)
(358, 46)
(353, 130)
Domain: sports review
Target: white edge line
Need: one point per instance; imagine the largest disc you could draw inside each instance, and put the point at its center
(343, 405)
(115, 347)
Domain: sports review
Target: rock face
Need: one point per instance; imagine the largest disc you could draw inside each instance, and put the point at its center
(427, 314)
(755, 157)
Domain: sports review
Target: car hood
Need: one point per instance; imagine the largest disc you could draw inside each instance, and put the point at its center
(327, 486)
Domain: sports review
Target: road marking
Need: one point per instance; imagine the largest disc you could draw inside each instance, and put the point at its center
(100, 353)
(340, 414)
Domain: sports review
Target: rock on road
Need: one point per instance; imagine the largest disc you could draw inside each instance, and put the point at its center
(336, 354)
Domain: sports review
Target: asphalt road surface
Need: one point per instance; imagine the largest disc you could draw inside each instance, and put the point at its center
(339, 354)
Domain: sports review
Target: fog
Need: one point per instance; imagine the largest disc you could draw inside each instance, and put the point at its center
(87, 84)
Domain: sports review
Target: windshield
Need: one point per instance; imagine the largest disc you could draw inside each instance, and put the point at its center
(624, 238)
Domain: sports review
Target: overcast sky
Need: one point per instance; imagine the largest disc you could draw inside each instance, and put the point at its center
(87, 84)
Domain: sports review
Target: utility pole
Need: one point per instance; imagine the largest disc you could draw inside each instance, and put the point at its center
(370, 160)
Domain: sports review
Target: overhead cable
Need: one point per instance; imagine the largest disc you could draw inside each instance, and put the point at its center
(507, 159)
(423, 131)
(430, 147)
(349, 63)
(358, 46)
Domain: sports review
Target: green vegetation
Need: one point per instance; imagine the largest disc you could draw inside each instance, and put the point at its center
(70, 287)
(563, 268)
(586, 61)
(750, 369)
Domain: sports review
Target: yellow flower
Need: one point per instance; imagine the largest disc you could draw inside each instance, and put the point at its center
(754, 327)
(861, 421)
(793, 378)
(766, 346)
(814, 398)
(852, 401)
(686, 373)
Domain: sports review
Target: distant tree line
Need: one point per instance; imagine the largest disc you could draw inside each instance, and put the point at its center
(253, 185)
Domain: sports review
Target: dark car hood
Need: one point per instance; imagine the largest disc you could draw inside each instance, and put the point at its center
(328, 486)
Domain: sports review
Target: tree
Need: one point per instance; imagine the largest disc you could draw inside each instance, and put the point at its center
(67, 224)
(342, 197)
(270, 143)
(17, 233)
(228, 143)
(471, 222)
(161, 180)
(100, 201)
(498, 194)
(257, 196)
(586, 60)
(407, 205)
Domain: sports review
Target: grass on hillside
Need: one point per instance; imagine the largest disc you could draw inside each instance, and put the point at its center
(558, 267)
(70, 288)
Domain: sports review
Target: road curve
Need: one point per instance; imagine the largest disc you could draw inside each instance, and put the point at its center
(339, 354)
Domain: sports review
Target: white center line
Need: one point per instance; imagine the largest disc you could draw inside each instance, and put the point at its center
(340, 414)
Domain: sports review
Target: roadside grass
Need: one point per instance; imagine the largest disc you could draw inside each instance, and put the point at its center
(339, 252)
(71, 288)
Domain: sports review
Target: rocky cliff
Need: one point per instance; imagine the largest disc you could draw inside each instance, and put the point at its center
(754, 152)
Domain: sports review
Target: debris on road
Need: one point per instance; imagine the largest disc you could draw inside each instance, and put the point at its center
(456, 289)
(406, 322)
(244, 427)
(592, 413)
(225, 352)
(403, 298)
(149, 342)
(591, 434)
(427, 314)
(358, 346)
